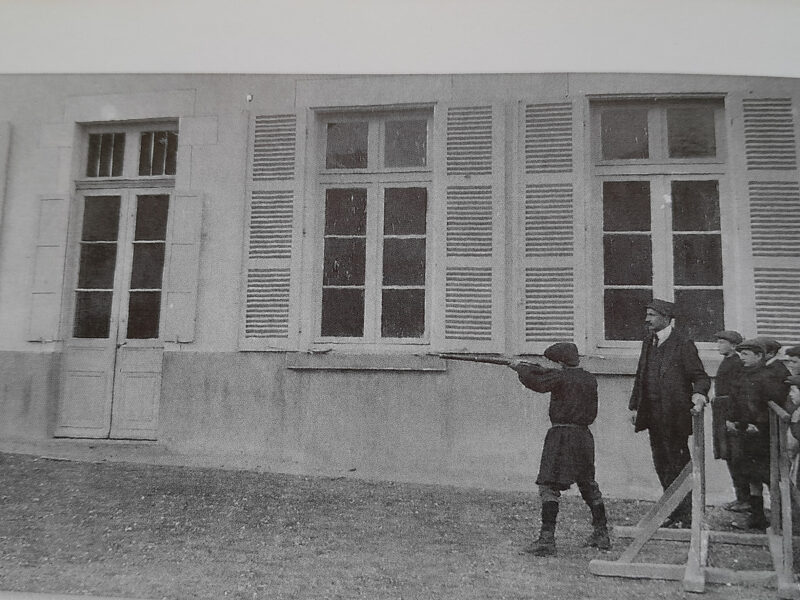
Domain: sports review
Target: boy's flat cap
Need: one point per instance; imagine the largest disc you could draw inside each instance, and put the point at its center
(563, 352)
(752, 344)
(734, 337)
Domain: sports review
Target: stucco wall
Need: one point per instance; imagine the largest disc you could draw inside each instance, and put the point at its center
(469, 424)
(29, 389)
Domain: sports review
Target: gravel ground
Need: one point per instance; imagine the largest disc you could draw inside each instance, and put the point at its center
(123, 529)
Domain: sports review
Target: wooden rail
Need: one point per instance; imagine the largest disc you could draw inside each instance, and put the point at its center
(695, 573)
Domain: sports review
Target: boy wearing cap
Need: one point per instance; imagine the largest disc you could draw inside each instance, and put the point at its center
(726, 444)
(776, 369)
(568, 452)
(670, 383)
(750, 397)
(793, 359)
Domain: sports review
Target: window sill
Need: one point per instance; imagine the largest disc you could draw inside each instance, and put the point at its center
(364, 362)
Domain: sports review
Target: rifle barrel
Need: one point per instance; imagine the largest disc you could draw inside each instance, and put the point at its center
(493, 360)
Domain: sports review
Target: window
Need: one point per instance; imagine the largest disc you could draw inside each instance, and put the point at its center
(125, 212)
(131, 151)
(375, 195)
(659, 171)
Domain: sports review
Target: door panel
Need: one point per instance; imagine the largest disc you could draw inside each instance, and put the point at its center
(137, 385)
(113, 356)
(85, 409)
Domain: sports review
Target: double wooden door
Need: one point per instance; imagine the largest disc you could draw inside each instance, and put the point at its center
(113, 354)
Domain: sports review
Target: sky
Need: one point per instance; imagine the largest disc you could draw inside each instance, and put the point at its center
(744, 37)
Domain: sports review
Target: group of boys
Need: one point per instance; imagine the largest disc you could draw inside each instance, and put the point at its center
(749, 376)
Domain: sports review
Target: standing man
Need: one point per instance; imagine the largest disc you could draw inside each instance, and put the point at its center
(670, 381)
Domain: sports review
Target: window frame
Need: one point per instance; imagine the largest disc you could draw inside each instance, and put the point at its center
(130, 166)
(659, 170)
(375, 179)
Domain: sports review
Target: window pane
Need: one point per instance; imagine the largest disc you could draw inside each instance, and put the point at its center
(624, 133)
(406, 143)
(624, 313)
(626, 206)
(97, 265)
(403, 261)
(403, 313)
(105, 154)
(345, 212)
(700, 313)
(691, 132)
(404, 211)
(92, 314)
(627, 259)
(143, 315)
(347, 145)
(145, 153)
(343, 312)
(344, 261)
(698, 259)
(148, 266)
(151, 217)
(100, 218)
(695, 205)
(172, 153)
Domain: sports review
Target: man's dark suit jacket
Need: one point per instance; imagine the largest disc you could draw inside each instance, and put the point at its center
(681, 374)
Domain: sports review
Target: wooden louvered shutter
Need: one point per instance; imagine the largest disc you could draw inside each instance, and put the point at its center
(270, 234)
(547, 220)
(183, 266)
(5, 144)
(773, 190)
(470, 202)
(48, 269)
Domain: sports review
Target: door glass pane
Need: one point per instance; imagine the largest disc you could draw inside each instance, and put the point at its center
(101, 219)
(97, 265)
(701, 313)
(624, 312)
(403, 261)
(343, 312)
(691, 132)
(151, 217)
(148, 266)
(404, 211)
(624, 133)
(143, 315)
(92, 314)
(695, 205)
(698, 259)
(403, 313)
(345, 211)
(406, 143)
(346, 146)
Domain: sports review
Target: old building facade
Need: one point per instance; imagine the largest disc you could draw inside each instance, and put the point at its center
(264, 265)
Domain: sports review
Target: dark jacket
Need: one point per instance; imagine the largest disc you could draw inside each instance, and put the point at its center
(681, 374)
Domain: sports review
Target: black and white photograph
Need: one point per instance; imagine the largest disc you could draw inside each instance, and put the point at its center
(399, 300)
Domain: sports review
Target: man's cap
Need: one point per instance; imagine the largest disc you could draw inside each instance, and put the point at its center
(734, 337)
(793, 380)
(754, 344)
(663, 307)
(771, 345)
(563, 352)
(792, 351)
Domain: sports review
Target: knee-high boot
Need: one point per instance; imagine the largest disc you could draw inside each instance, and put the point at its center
(599, 537)
(546, 544)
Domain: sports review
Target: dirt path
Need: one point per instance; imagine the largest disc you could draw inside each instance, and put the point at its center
(147, 531)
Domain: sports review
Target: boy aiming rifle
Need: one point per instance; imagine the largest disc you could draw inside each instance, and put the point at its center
(568, 452)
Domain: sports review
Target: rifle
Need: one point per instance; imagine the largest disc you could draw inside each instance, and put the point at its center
(492, 359)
